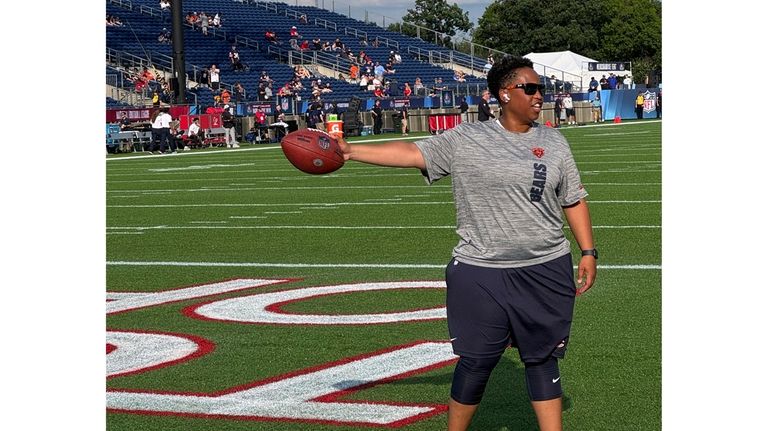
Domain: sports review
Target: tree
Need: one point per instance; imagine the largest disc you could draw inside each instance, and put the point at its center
(607, 30)
(436, 15)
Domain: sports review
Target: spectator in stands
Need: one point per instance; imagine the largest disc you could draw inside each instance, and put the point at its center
(611, 81)
(294, 45)
(377, 119)
(304, 45)
(354, 71)
(271, 36)
(164, 36)
(294, 32)
(491, 60)
(262, 92)
(194, 134)
(378, 70)
(155, 98)
(326, 46)
(487, 67)
(214, 77)
(438, 85)
(234, 59)
(317, 44)
(216, 20)
(239, 92)
(418, 87)
(593, 84)
(315, 115)
(165, 4)
(268, 93)
(375, 42)
(483, 108)
(628, 84)
(264, 78)
(204, 22)
(363, 41)
(114, 21)
(398, 59)
(388, 69)
(303, 19)
(327, 88)
(228, 121)
(338, 45)
(203, 78)
(363, 85)
(604, 83)
(458, 76)
(407, 91)
(286, 90)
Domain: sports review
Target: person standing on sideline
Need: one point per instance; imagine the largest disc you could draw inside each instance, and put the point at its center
(558, 109)
(404, 120)
(166, 140)
(511, 280)
(597, 109)
(639, 104)
(570, 113)
(228, 121)
(658, 105)
(377, 120)
(157, 130)
(483, 109)
(463, 108)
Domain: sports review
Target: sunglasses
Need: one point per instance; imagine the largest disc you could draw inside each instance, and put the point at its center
(531, 88)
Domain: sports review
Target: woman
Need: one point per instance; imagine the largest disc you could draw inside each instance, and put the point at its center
(511, 271)
(407, 90)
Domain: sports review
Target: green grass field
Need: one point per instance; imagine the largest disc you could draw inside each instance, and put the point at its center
(204, 217)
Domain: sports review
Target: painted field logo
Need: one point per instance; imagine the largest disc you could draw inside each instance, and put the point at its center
(649, 102)
(317, 394)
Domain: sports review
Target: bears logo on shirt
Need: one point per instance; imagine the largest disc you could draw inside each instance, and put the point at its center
(539, 181)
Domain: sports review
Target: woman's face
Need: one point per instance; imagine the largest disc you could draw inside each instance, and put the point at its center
(521, 106)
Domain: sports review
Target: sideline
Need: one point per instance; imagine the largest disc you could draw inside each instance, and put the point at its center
(362, 141)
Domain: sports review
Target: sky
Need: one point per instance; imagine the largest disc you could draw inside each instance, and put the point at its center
(392, 8)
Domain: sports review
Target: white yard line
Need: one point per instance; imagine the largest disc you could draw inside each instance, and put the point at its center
(325, 227)
(333, 204)
(331, 265)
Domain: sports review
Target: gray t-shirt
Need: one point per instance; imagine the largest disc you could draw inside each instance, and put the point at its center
(509, 190)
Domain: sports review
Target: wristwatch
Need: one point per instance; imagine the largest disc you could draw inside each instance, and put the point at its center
(590, 252)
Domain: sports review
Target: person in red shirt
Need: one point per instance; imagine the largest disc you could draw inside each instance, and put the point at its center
(407, 90)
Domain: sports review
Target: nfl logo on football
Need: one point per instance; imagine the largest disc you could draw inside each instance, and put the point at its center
(649, 102)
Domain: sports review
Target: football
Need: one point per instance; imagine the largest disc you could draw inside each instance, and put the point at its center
(312, 151)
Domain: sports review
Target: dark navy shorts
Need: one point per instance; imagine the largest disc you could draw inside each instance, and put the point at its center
(530, 308)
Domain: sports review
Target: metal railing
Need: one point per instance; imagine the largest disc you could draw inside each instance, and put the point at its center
(327, 24)
(125, 4)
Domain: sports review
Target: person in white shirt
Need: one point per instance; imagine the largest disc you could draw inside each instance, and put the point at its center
(214, 77)
(570, 113)
(193, 134)
(165, 131)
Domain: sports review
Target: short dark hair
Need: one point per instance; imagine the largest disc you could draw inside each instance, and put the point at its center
(504, 71)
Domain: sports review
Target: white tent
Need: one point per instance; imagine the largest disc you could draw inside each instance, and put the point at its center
(565, 65)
